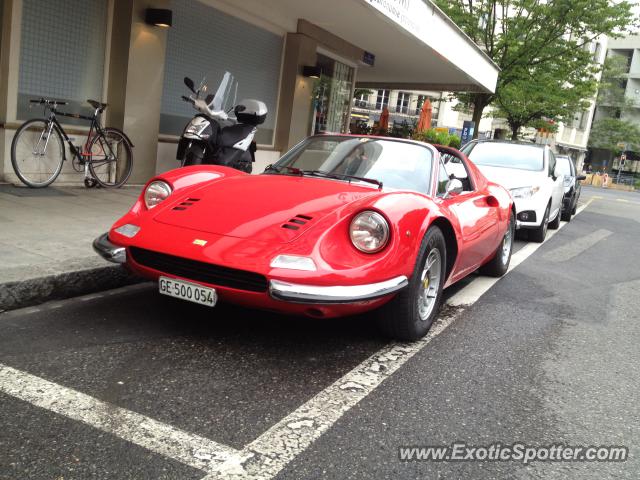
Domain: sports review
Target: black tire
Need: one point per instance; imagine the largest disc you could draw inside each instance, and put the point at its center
(538, 235)
(499, 263)
(41, 171)
(575, 207)
(566, 214)
(113, 143)
(556, 221)
(400, 318)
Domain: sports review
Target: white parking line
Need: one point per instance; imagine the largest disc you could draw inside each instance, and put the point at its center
(267, 455)
(146, 432)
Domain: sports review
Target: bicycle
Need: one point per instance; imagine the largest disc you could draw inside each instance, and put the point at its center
(38, 151)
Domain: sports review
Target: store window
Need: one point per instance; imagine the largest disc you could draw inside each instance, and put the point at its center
(402, 103)
(332, 96)
(204, 41)
(382, 100)
(419, 103)
(62, 53)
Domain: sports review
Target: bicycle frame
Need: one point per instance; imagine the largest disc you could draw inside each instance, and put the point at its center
(94, 127)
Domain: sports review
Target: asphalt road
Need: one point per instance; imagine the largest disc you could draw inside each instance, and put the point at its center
(548, 355)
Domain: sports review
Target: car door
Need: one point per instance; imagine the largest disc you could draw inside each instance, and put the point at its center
(557, 186)
(477, 213)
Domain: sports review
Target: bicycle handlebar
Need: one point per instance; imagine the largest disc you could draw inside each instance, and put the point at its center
(44, 101)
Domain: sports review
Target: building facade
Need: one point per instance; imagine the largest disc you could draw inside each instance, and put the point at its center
(627, 48)
(73, 50)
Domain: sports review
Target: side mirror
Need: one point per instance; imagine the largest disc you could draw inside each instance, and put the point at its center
(581, 177)
(556, 172)
(190, 85)
(453, 186)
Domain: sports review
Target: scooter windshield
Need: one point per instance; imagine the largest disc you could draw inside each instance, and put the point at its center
(225, 95)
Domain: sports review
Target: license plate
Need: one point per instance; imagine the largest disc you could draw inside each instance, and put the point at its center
(191, 292)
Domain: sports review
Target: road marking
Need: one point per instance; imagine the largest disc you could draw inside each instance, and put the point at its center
(622, 200)
(190, 449)
(572, 249)
(267, 455)
(480, 285)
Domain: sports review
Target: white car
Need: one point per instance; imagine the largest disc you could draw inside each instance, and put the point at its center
(530, 172)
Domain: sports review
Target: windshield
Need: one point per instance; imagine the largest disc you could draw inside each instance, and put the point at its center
(564, 165)
(505, 155)
(398, 165)
(222, 89)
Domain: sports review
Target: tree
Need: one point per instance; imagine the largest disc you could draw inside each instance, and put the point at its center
(551, 94)
(612, 129)
(607, 133)
(357, 92)
(612, 87)
(527, 37)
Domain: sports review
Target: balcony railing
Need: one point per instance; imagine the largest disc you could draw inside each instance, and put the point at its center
(412, 111)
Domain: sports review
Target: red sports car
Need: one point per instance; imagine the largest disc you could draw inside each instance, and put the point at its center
(340, 225)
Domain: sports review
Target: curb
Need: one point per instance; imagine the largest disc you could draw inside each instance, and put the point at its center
(34, 291)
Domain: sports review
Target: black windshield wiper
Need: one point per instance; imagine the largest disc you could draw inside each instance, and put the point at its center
(342, 176)
(293, 170)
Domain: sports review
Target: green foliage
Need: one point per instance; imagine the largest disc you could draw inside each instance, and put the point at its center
(540, 48)
(606, 133)
(552, 93)
(611, 89)
(402, 130)
(438, 138)
(612, 129)
(357, 92)
(454, 141)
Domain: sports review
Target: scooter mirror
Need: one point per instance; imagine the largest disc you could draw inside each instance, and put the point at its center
(189, 83)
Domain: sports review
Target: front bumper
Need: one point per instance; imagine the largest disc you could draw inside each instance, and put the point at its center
(296, 293)
(534, 207)
(109, 251)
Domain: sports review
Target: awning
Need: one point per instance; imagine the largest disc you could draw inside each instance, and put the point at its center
(416, 46)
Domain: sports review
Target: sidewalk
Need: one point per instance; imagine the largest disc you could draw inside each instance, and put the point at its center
(45, 242)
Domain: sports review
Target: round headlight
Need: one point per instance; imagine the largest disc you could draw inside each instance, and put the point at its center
(369, 232)
(156, 192)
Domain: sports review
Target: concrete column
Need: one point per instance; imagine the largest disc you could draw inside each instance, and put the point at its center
(294, 105)
(135, 81)
(10, 22)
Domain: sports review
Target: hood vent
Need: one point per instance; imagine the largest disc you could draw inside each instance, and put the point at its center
(187, 203)
(295, 222)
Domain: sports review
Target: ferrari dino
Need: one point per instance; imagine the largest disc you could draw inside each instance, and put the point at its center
(340, 225)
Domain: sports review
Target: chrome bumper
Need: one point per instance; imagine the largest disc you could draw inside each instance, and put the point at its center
(109, 251)
(297, 293)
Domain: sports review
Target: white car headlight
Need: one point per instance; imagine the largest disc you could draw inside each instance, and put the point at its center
(156, 192)
(369, 232)
(524, 192)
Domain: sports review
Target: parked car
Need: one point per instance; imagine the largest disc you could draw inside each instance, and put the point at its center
(572, 186)
(531, 174)
(339, 225)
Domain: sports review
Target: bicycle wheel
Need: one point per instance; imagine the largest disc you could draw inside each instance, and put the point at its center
(111, 158)
(37, 153)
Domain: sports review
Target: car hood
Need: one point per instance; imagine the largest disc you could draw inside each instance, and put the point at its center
(266, 208)
(511, 178)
